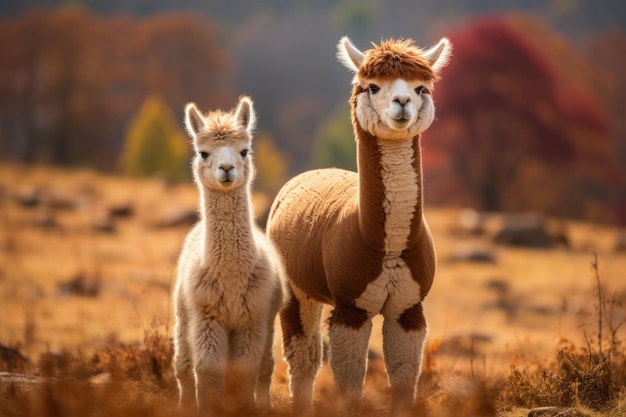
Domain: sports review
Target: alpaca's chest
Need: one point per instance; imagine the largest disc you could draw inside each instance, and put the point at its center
(392, 292)
(230, 292)
(395, 290)
(400, 199)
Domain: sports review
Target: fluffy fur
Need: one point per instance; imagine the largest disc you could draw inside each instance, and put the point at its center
(229, 286)
(359, 241)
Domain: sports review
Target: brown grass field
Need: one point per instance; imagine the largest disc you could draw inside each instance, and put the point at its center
(87, 263)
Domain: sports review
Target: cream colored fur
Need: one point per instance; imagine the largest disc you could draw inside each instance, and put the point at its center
(401, 192)
(229, 286)
(402, 351)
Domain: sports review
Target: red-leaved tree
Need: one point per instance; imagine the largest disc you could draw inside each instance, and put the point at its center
(508, 135)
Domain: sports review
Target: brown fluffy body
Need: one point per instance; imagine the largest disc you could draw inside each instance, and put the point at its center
(359, 241)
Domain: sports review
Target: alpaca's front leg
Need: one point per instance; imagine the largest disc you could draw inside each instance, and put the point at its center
(348, 340)
(264, 379)
(246, 350)
(183, 359)
(211, 350)
(403, 343)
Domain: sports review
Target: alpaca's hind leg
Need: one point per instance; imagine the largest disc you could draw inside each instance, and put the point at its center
(348, 336)
(183, 359)
(264, 379)
(302, 348)
(403, 343)
(211, 349)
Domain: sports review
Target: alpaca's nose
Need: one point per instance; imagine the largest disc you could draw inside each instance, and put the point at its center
(402, 100)
(226, 167)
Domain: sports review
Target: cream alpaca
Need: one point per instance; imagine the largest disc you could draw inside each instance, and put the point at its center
(359, 241)
(229, 286)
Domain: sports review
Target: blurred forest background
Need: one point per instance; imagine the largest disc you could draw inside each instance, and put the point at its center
(529, 112)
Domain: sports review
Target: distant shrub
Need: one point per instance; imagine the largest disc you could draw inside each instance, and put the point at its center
(149, 363)
(271, 164)
(154, 143)
(334, 144)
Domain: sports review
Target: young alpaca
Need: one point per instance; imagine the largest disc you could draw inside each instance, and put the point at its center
(229, 286)
(359, 241)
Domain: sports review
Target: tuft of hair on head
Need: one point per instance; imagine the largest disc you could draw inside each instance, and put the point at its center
(195, 122)
(394, 58)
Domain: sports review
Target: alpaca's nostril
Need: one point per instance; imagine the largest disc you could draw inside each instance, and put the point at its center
(402, 101)
(226, 168)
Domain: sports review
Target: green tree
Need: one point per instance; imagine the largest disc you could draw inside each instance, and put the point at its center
(334, 143)
(154, 144)
(355, 15)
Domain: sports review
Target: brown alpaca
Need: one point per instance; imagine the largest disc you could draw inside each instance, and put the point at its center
(359, 242)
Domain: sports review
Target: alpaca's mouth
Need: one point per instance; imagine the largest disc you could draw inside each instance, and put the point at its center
(400, 120)
(226, 179)
(226, 182)
(400, 117)
(399, 123)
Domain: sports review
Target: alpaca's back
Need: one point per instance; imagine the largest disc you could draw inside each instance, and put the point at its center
(307, 206)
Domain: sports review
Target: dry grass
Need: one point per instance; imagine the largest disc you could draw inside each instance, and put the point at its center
(88, 308)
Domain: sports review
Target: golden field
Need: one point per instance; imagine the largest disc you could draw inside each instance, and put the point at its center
(87, 263)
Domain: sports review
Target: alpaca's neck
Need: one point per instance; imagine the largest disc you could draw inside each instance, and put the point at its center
(390, 192)
(228, 224)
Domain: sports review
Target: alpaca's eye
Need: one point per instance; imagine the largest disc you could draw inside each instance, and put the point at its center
(419, 90)
(204, 155)
(244, 153)
(374, 88)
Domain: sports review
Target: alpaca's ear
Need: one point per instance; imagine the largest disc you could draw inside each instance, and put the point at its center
(349, 55)
(194, 121)
(439, 55)
(245, 113)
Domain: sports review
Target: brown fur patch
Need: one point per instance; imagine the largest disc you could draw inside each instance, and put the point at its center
(371, 194)
(417, 221)
(290, 320)
(419, 254)
(396, 58)
(413, 318)
(347, 314)
(354, 252)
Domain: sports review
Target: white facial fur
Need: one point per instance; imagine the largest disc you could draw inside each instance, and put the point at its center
(394, 109)
(222, 143)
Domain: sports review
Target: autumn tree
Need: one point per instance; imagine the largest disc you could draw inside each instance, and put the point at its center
(271, 164)
(507, 130)
(70, 81)
(155, 144)
(608, 54)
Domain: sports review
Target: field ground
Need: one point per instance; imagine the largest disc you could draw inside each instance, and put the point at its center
(87, 262)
